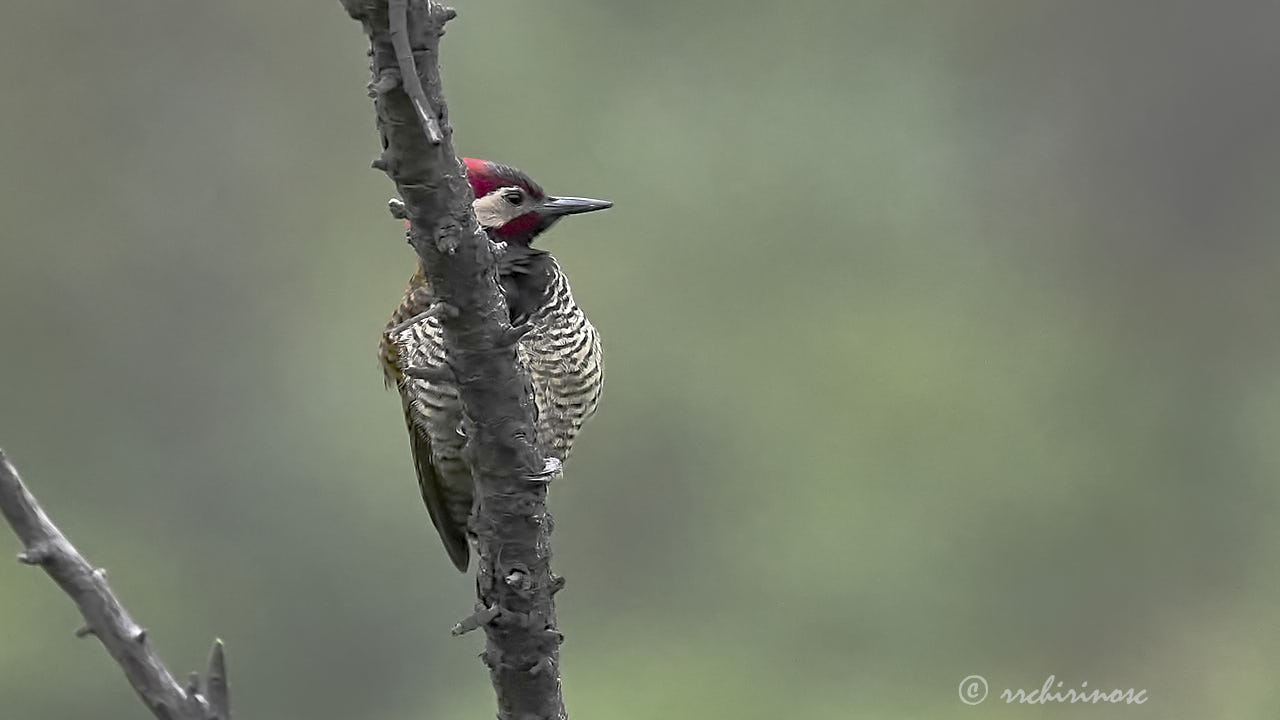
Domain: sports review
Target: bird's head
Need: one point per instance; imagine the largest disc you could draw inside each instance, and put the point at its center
(513, 208)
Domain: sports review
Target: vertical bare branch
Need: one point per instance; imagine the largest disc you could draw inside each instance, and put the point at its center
(511, 522)
(104, 616)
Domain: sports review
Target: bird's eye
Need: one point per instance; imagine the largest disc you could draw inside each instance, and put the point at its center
(515, 197)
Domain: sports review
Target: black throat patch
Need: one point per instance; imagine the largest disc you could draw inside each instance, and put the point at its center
(526, 276)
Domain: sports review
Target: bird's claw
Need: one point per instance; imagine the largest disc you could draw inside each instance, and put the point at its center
(551, 469)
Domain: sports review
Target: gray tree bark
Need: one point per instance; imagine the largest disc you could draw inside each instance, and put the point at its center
(514, 580)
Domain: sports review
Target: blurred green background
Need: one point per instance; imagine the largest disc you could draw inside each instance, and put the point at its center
(941, 341)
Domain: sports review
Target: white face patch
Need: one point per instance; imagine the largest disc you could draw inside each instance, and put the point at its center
(501, 206)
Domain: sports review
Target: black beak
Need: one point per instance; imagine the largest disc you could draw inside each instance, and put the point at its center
(559, 206)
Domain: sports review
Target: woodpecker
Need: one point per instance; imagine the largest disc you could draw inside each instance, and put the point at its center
(560, 351)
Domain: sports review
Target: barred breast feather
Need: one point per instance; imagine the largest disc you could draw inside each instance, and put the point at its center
(562, 355)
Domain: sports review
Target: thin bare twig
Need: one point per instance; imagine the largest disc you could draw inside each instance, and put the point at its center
(216, 687)
(477, 619)
(105, 618)
(399, 27)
